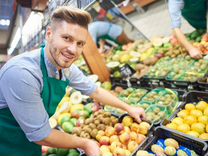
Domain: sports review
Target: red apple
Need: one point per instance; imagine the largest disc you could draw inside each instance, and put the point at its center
(104, 140)
(118, 127)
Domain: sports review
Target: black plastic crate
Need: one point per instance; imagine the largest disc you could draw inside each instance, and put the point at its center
(153, 82)
(198, 146)
(181, 85)
(203, 86)
(195, 96)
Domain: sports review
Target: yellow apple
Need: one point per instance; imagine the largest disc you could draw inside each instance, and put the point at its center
(109, 131)
(132, 145)
(124, 137)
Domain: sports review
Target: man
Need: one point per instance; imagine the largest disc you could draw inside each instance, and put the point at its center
(33, 83)
(104, 29)
(195, 13)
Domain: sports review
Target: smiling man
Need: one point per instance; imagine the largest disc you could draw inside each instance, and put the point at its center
(33, 83)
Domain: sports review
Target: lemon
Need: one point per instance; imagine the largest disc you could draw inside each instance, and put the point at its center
(193, 133)
(207, 128)
(63, 118)
(198, 127)
(201, 105)
(206, 111)
(183, 128)
(189, 106)
(172, 126)
(204, 136)
(196, 113)
(183, 113)
(203, 119)
(190, 119)
(177, 121)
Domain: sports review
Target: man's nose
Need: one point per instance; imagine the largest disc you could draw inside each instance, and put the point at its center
(72, 47)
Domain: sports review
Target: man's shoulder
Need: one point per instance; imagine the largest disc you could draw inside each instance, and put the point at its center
(26, 61)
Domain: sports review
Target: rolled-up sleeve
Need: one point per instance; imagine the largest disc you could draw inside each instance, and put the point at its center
(80, 82)
(175, 7)
(21, 90)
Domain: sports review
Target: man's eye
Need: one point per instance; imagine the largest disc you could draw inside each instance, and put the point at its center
(67, 39)
(80, 44)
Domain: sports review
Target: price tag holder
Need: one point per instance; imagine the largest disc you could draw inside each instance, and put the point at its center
(127, 71)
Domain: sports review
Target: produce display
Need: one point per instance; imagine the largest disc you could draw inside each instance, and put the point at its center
(123, 138)
(167, 147)
(192, 120)
(99, 121)
(179, 68)
(130, 95)
(162, 103)
(196, 35)
(159, 58)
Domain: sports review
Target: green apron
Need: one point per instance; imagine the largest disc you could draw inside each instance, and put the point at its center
(13, 141)
(194, 12)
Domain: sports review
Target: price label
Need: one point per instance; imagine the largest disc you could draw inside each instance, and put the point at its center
(127, 71)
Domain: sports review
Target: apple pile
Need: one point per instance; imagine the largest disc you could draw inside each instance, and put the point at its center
(123, 138)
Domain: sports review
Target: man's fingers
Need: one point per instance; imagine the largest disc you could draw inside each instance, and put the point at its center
(143, 116)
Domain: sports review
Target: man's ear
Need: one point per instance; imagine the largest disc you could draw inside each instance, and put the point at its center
(48, 33)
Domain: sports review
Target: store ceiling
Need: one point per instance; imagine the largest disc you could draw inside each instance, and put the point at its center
(7, 16)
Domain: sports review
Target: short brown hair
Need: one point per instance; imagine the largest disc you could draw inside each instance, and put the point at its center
(71, 15)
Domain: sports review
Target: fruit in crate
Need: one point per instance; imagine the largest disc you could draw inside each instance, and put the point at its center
(167, 147)
(169, 150)
(192, 120)
(154, 114)
(171, 142)
(98, 125)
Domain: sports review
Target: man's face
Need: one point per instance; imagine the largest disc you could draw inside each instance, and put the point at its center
(65, 43)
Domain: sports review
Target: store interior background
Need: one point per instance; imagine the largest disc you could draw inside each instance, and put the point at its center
(152, 20)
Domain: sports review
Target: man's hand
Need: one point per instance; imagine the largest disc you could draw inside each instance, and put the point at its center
(91, 148)
(137, 113)
(195, 53)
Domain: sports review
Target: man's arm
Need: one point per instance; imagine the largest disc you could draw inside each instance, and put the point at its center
(193, 51)
(60, 139)
(105, 97)
(175, 7)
